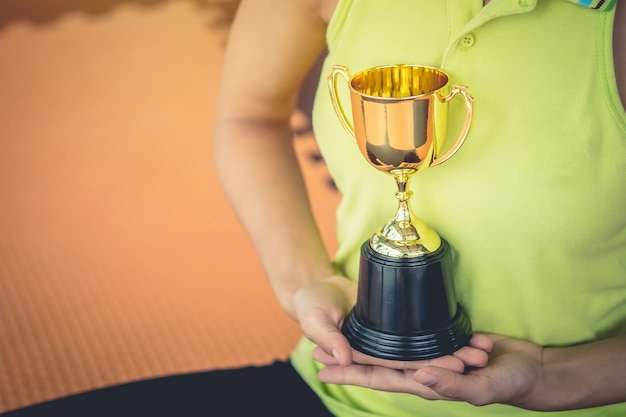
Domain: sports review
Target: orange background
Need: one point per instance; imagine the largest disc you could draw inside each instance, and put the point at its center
(120, 258)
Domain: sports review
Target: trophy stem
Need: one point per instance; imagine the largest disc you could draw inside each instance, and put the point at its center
(403, 214)
(405, 235)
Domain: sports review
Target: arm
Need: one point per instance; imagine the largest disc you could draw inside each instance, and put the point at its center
(271, 46)
(550, 379)
(586, 375)
(259, 171)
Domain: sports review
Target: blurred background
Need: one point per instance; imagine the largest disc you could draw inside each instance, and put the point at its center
(120, 258)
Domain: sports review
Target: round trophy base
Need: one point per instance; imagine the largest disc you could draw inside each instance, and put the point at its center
(406, 308)
(408, 347)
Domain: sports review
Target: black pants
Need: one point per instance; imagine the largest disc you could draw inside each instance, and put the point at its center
(275, 390)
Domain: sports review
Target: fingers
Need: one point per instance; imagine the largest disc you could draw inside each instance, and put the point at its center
(449, 362)
(375, 377)
(431, 382)
(482, 342)
(449, 385)
(476, 354)
(468, 356)
(440, 378)
(324, 332)
(324, 358)
(320, 308)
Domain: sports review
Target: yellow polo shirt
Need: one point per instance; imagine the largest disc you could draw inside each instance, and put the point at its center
(532, 204)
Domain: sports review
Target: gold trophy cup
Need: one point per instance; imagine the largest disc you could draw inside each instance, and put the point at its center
(406, 306)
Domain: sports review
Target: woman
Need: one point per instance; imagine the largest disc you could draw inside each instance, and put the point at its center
(532, 203)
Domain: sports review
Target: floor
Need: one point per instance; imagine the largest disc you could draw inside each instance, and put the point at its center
(120, 258)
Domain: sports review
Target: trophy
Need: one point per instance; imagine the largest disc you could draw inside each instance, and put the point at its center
(406, 306)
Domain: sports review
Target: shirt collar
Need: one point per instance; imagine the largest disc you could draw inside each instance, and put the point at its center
(595, 4)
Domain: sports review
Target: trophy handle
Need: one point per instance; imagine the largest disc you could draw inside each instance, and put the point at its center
(469, 115)
(332, 85)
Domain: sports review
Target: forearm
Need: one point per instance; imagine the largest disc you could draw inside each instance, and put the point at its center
(586, 375)
(253, 145)
(261, 176)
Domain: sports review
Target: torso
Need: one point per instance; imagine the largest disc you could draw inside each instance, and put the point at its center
(509, 203)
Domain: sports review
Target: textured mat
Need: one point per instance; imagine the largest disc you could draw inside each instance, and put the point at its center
(119, 256)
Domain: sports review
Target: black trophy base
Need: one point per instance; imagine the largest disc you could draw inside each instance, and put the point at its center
(406, 308)
(408, 347)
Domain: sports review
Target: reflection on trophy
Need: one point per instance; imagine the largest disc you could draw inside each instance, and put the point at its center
(406, 305)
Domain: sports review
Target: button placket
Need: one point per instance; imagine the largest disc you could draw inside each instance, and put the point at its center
(465, 37)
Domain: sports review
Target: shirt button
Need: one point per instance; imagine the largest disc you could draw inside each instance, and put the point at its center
(468, 40)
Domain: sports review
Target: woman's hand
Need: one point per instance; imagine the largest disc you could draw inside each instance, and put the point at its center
(515, 375)
(320, 309)
(475, 355)
(519, 373)
(514, 370)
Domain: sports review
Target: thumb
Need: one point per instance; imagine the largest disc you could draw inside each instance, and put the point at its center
(323, 331)
(454, 386)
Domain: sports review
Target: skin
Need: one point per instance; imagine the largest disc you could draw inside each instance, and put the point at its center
(257, 99)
